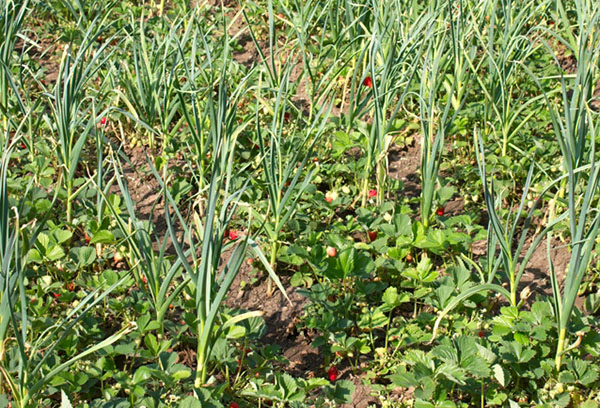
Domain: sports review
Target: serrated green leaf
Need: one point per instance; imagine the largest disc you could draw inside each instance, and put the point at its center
(566, 377)
(142, 374)
(102, 237)
(54, 253)
(499, 374)
(64, 403)
(83, 256)
(181, 374)
(61, 236)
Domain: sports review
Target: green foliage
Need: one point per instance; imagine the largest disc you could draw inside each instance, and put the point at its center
(396, 168)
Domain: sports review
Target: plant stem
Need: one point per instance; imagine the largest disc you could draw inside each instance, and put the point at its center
(482, 394)
(200, 370)
(560, 347)
(513, 284)
(69, 203)
(387, 330)
(273, 263)
(504, 141)
(365, 189)
(416, 308)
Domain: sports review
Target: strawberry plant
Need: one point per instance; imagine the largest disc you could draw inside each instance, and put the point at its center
(419, 180)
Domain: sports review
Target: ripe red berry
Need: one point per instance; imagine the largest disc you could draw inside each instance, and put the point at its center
(103, 121)
(87, 238)
(372, 193)
(440, 211)
(331, 251)
(234, 405)
(368, 82)
(372, 235)
(233, 235)
(286, 116)
(23, 146)
(332, 373)
(56, 295)
(481, 334)
(144, 279)
(70, 286)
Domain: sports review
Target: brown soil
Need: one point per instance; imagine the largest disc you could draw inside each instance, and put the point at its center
(281, 317)
(404, 165)
(143, 187)
(537, 273)
(362, 397)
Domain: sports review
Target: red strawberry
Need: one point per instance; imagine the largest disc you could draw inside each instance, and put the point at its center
(372, 193)
(372, 235)
(481, 334)
(368, 82)
(103, 121)
(56, 295)
(234, 405)
(440, 211)
(23, 146)
(87, 238)
(286, 116)
(70, 286)
(332, 373)
(331, 251)
(233, 235)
